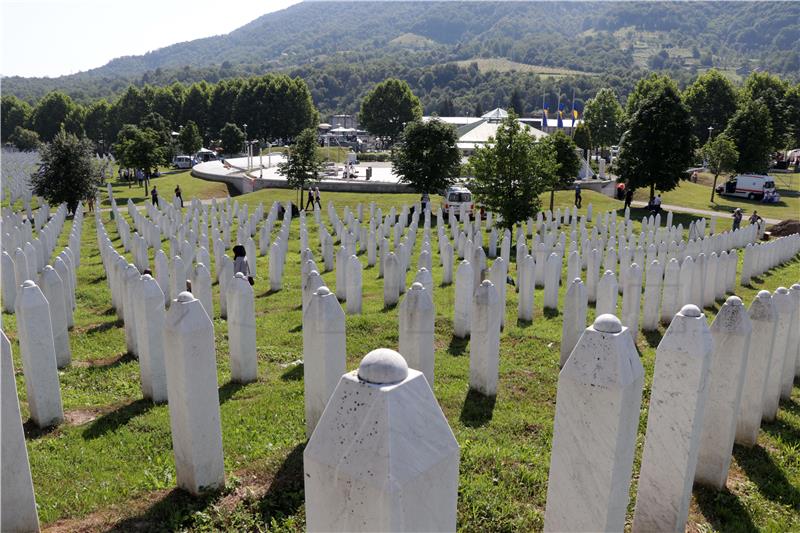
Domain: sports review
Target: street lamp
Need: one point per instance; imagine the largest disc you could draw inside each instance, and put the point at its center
(710, 129)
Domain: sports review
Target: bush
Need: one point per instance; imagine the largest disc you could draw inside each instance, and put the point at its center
(368, 157)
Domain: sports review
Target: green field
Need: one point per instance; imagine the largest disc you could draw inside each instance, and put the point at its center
(111, 465)
(501, 64)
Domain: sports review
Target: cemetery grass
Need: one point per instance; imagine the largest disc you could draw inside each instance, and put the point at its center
(110, 466)
(698, 196)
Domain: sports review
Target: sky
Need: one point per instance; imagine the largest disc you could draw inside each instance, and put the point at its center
(57, 37)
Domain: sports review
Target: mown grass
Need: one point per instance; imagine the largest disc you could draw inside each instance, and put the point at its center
(112, 465)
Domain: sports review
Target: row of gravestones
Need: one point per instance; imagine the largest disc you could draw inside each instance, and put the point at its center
(480, 296)
(17, 168)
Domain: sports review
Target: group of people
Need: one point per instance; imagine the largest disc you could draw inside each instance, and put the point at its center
(154, 194)
(755, 218)
(137, 175)
(313, 197)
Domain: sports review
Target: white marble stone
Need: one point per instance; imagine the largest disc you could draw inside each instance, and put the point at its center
(225, 277)
(674, 423)
(130, 282)
(463, 300)
(417, 318)
(607, 294)
(594, 434)
(276, 259)
(731, 333)
(193, 396)
(149, 305)
(498, 275)
(783, 309)
(763, 319)
(9, 282)
(382, 457)
(484, 345)
(652, 296)
(447, 263)
(53, 289)
(242, 330)
(526, 275)
(670, 295)
(18, 500)
(201, 287)
(552, 279)
(324, 352)
(391, 280)
(574, 320)
(631, 299)
(35, 332)
(793, 339)
(353, 282)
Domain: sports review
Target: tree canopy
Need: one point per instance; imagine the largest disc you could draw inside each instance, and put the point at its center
(427, 156)
(139, 148)
(232, 138)
(303, 163)
(656, 149)
(604, 116)
(511, 172)
(721, 155)
(750, 129)
(388, 107)
(68, 171)
(712, 101)
(190, 139)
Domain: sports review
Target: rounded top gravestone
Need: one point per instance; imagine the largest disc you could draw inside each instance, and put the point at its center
(690, 310)
(383, 367)
(607, 323)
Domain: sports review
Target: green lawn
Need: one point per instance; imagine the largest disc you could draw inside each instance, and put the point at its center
(191, 187)
(111, 465)
(698, 196)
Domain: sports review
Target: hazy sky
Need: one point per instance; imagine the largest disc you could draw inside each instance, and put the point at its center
(55, 37)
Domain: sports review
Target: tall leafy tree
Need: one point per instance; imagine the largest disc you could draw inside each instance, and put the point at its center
(712, 100)
(792, 106)
(13, 113)
(97, 124)
(604, 117)
(195, 108)
(232, 138)
(657, 148)
(139, 148)
(50, 114)
(771, 90)
(190, 139)
(515, 102)
(388, 107)
(168, 102)
(583, 138)
(511, 172)
(275, 106)
(721, 155)
(563, 147)
(130, 107)
(427, 156)
(67, 173)
(750, 129)
(25, 139)
(303, 163)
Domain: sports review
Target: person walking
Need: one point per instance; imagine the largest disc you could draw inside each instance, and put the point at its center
(90, 201)
(310, 200)
(657, 204)
(578, 198)
(178, 194)
(737, 218)
(240, 263)
(154, 196)
(316, 197)
(755, 218)
(628, 197)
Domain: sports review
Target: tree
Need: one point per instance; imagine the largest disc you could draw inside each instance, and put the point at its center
(657, 148)
(14, 113)
(388, 107)
(139, 148)
(792, 106)
(604, 116)
(427, 156)
(515, 102)
(67, 173)
(50, 113)
(303, 163)
(129, 108)
(160, 126)
(195, 108)
(772, 91)
(189, 138)
(563, 147)
(232, 138)
(511, 172)
(97, 124)
(721, 155)
(583, 138)
(276, 106)
(751, 131)
(24, 139)
(712, 101)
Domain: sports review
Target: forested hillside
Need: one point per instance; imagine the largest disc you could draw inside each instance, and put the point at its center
(341, 48)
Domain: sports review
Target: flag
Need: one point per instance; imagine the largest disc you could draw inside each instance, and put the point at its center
(560, 123)
(574, 116)
(544, 116)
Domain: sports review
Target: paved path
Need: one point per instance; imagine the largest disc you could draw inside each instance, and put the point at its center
(701, 212)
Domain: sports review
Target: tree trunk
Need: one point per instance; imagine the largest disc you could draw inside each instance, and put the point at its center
(552, 197)
(714, 187)
(652, 191)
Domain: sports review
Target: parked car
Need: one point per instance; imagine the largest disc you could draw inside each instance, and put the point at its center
(183, 161)
(750, 186)
(454, 198)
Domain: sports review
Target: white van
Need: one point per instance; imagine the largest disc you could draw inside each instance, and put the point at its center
(455, 198)
(183, 161)
(750, 186)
